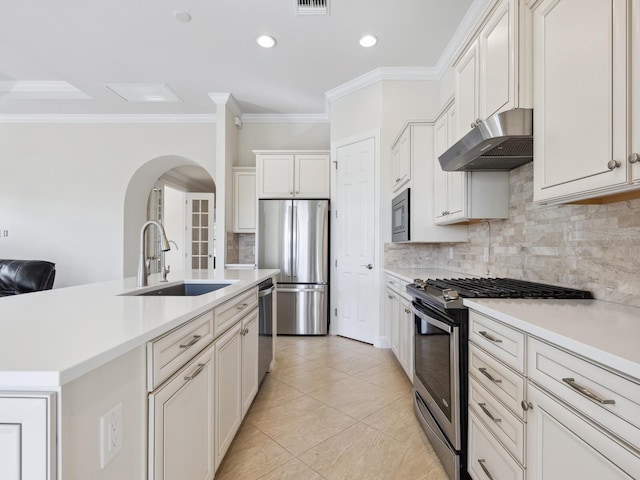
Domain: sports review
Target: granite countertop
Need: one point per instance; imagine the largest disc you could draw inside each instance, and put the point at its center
(605, 332)
(52, 337)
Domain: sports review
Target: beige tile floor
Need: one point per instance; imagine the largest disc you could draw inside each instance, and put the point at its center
(332, 408)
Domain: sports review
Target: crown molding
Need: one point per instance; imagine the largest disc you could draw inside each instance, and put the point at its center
(108, 118)
(380, 74)
(285, 118)
(227, 99)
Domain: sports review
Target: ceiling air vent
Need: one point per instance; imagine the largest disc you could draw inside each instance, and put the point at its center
(312, 7)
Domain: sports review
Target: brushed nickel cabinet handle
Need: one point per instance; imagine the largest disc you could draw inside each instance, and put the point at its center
(613, 164)
(586, 392)
(634, 158)
(526, 405)
(243, 306)
(490, 337)
(488, 413)
(482, 461)
(197, 372)
(193, 341)
(483, 371)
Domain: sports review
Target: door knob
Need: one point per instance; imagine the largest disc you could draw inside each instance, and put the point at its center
(368, 266)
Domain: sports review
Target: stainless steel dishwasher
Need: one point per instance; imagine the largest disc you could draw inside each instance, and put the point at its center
(265, 312)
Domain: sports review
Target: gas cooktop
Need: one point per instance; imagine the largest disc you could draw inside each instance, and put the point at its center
(450, 291)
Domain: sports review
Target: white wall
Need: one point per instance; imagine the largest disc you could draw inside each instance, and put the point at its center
(280, 136)
(63, 188)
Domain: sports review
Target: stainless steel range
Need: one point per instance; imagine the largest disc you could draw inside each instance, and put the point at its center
(441, 355)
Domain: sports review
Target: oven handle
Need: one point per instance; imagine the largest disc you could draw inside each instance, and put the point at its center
(431, 320)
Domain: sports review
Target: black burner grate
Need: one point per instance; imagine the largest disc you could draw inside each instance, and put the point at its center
(506, 288)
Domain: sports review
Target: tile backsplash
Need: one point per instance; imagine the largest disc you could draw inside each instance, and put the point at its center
(241, 248)
(591, 247)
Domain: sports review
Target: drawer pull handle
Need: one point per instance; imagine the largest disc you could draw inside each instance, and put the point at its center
(586, 392)
(193, 341)
(243, 306)
(490, 337)
(488, 413)
(482, 461)
(197, 372)
(488, 375)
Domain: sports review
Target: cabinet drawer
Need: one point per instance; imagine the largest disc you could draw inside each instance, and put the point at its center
(488, 460)
(605, 397)
(230, 312)
(171, 352)
(498, 419)
(503, 342)
(506, 385)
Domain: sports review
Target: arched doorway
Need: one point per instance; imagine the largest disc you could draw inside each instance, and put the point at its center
(136, 210)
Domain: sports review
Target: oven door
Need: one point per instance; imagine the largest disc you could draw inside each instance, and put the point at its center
(436, 370)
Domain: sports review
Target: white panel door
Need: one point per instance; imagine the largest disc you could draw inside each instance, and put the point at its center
(355, 242)
(200, 234)
(249, 360)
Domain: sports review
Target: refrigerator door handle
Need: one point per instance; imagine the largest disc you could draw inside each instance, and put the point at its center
(303, 289)
(287, 243)
(295, 227)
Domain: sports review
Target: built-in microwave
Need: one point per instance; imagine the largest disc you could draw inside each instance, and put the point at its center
(400, 217)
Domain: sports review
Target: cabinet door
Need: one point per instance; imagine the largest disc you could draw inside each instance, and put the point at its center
(497, 65)
(391, 309)
(467, 84)
(249, 360)
(440, 177)
(634, 157)
(312, 176)
(561, 444)
(27, 433)
(183, 408)
(456, 181)
(275, 176)
(401, 159)
(406, 337)
(228, 404)
(580, 100)
(244, 201)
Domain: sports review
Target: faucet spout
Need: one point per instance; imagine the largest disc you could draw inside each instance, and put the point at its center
(143, 272)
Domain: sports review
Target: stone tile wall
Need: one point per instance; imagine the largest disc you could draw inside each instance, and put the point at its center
(241, 247)
(592, 247)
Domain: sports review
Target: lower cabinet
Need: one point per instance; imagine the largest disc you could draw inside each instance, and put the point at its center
(399, 323)
(228, 403)
(249, 335)
(183, 408)
(563, 444)
(27, 436)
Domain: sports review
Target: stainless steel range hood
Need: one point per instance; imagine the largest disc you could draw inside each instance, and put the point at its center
(502, 142)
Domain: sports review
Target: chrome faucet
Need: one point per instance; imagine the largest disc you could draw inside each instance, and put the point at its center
(166, 269)
(143, 271)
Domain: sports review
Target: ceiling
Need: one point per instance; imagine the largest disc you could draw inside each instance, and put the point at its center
(90, 43)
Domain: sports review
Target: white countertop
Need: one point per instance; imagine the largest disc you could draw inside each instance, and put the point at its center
(50, 338)
(608, 333)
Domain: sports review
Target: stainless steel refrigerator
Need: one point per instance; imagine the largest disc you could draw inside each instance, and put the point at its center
(293, 235)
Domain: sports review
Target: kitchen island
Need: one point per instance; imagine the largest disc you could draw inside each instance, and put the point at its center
(70, 356)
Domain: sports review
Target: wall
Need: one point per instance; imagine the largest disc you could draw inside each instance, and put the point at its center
(64, 186)
(280, 136)
(592, 247)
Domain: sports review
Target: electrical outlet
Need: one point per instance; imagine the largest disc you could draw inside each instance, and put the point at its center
(110, 435)
(4, 232)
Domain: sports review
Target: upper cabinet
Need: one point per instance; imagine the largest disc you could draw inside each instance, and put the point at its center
(244, 199)
(586, 107)
(491, 74)
(464, 196)
(401, 160)
(288, 174)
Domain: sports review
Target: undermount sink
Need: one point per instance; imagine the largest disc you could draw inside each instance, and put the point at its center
(182, 289)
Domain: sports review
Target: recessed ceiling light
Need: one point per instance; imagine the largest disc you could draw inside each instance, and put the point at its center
(368, 41)
(266, 41)
(182, 16)
(144, 92)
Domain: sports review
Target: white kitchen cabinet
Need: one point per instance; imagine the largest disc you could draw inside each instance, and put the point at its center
(392, 307)
(28, 436)
(464, 196)
(399, 322)
(584, 121)
(406, 336)
(244, 200)
(401, 160)
(562, 444)
(249, 335)
(492, 73)
(422, 182)
(228, 387)
(183, 408)
(288, 174)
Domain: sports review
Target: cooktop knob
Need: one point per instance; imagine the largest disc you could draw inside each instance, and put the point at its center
(450, 294)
